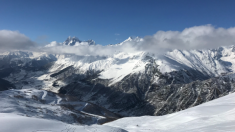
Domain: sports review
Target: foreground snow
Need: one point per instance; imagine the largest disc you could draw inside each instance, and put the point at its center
(17, 123)
(217, 116)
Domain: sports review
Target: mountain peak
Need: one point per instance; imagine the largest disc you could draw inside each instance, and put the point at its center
(71, 41)
(74, 41)
(135, 39)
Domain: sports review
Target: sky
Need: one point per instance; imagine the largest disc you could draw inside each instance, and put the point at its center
(110, 21)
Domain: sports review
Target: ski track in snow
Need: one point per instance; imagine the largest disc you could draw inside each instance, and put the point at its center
(44, 94)
(58, 99)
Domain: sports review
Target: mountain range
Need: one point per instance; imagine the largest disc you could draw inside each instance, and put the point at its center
(96, 89)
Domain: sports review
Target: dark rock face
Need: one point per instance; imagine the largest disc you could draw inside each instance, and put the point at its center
(5, 85)
(14, 62)
(21, 60)
(71, 41)
(175, 97)
(87, 114)
(181, 77)
(131, 97)
(6, 72)
(66, 72)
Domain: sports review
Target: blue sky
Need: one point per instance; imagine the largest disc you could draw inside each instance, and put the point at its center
(110, 21)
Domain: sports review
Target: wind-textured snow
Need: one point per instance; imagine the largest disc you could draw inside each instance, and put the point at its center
(214, 116)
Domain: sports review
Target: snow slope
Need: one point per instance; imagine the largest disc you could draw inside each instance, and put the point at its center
(17, 123)
(206, 61)
(217, 116)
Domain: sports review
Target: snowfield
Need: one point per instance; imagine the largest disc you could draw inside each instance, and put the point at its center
(214, 116)
(17, 123)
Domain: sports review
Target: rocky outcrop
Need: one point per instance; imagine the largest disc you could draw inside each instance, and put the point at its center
(5, 85)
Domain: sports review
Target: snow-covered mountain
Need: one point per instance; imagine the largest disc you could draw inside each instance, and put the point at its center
(117, 85)
(129, 39)
(71, 41)
(74, 41)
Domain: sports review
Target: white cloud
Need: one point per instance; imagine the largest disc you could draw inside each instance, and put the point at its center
(117, 34)
(198, 37)
(89, 50)
(14, 40)
(52, 44)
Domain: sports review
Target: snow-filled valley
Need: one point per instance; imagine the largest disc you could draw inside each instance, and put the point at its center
(181, 90)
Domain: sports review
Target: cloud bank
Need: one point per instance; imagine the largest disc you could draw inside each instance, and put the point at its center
(198, 37)
(52, 44)
(12, 40)
(89, 50)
